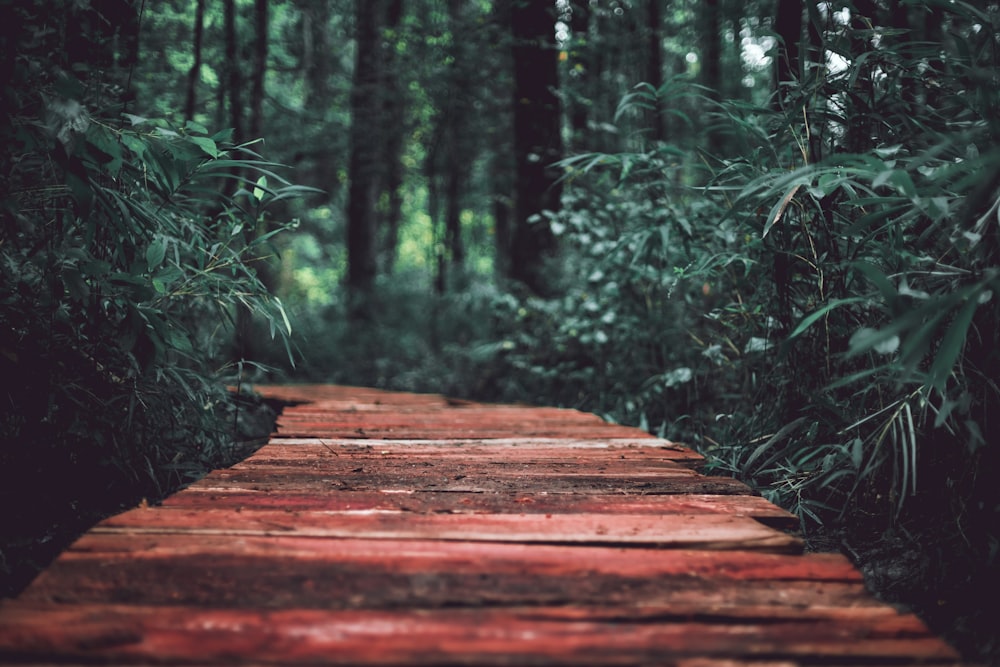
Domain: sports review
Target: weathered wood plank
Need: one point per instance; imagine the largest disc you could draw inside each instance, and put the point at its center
(350, 462)
(273, 572)
(541, 449)
(495, 557)
(535, 635)
(359, 429)
(706, 531)
(205, 495)
(367, 480)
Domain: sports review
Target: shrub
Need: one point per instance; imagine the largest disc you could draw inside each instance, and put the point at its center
(125, 260)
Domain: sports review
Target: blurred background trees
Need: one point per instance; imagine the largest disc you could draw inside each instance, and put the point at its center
(767, 229)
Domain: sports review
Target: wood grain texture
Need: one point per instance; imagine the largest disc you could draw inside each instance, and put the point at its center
(401, 529)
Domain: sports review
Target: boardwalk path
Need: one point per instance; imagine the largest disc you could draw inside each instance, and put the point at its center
(382, 528)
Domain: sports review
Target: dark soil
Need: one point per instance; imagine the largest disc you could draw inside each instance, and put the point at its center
(929, 570)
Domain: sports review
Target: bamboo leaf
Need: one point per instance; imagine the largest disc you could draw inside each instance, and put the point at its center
(952, 344)
(811, 319)
(156, 252)
(779, 209)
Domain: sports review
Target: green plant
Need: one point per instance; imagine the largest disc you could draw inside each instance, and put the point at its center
(124, 261)
(838, 284)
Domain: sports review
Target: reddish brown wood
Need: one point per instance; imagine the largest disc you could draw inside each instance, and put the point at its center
(547, 635)
(705, 531)
(401, 529)
(208, 496)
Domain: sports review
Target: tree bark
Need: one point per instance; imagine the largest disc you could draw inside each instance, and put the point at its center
(234, 78)
(363, 167)
(316, 55)
(712, 67)
(579, 59)
(537, 139)
(788, 64)
(259, 69)
(654, 65)
(457, 138)
(194, 75)
(394, 110)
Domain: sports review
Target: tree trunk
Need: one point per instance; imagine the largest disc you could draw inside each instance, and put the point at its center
(712, 68)
(234, 79)
(453, 215)
(316, 54)
(245, 334)
(394, 131)
(457, 137)
(654, 65)
(365, 125)
(579, 60)
(537, 139)
(259, 69)
(501, 165)
(788, 25)
(194, 75)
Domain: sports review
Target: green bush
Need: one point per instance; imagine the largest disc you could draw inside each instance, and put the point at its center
(817, 310)
(129, 249)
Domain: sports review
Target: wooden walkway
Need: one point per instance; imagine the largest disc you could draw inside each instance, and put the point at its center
(397, 529)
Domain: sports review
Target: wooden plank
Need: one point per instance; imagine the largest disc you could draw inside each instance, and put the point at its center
(707, 531)
(359, 429)
(269, 572)
(498, 556)
(366, 480)
(205, 495)
(540, 448)
(346, 467)
(549, 635)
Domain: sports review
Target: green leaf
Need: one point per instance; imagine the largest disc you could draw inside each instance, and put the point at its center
(106, 149)
(206, 145)
(197, 128)
(811, 318)
(899, 180)
(778, 210)
(260, 190)
(952, 343)
(879, 279)
(156, 252)
(284, 316)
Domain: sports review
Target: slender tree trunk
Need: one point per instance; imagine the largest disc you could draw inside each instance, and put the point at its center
(364, 172)
(316, 52)
(259, 69)
(453, 216)
(712, 67)
(654, 65)
(457, 140)
(194, 75)
(579, 72)
(501, 164)
(537, 139)
(234, 79)
(245, 333)
(502, 209)
(788, 25)
(394, 112)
